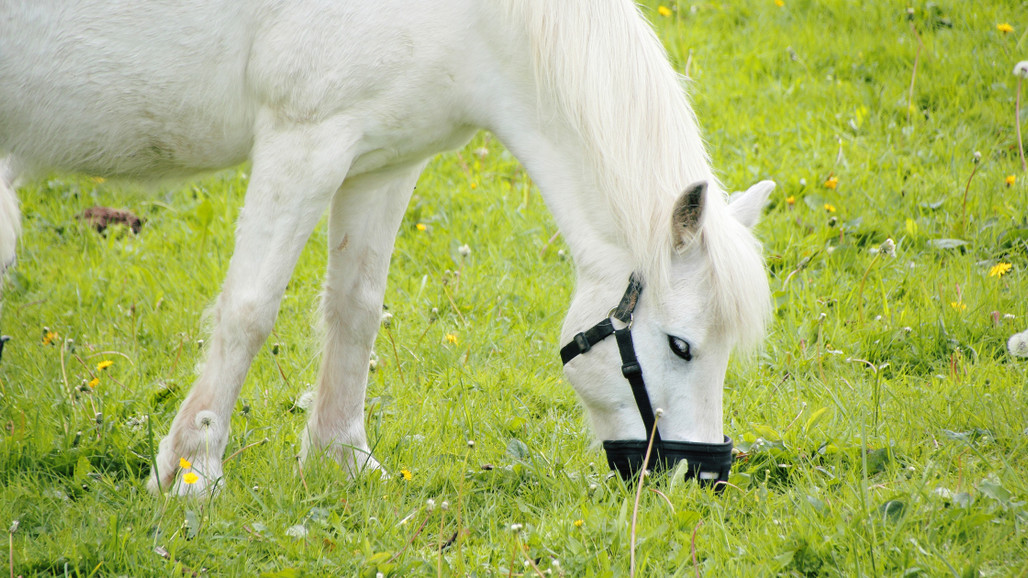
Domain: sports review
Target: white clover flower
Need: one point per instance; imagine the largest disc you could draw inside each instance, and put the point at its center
(1018, 344)
(516, 528)
(1021, 69)
(430, 504)
(387, 319)
(464, 250)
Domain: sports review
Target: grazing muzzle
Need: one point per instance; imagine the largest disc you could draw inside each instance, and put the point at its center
(710, 463)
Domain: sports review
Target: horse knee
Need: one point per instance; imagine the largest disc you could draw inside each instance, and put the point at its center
(249, 318)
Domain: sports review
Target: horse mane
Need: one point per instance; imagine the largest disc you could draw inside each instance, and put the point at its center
(609, 76)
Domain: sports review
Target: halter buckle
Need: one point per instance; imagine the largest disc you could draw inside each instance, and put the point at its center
(630, 369)
(628, 324)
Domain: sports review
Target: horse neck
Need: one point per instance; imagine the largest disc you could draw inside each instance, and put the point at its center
(608, 135)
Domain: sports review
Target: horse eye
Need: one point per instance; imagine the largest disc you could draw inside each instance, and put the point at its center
(679, 347)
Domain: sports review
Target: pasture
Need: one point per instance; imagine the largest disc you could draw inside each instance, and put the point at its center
(883, 426)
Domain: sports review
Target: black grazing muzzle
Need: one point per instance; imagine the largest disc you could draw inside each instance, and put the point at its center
(708, 463)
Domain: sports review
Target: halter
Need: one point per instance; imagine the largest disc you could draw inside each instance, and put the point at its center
(708, 462)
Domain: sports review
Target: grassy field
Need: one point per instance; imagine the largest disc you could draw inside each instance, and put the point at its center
(884, 426)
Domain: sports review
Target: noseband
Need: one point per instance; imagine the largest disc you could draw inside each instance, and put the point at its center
(709, 463)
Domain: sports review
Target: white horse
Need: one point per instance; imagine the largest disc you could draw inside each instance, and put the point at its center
(338, 105)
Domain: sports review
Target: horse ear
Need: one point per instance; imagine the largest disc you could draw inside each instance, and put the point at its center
(747, 207)
(685, 217)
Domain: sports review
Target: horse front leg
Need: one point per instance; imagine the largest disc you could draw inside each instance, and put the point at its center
(10, 217)
(364, 219)
(295, 172)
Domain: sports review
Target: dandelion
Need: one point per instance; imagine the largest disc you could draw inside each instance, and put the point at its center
(999, 269)
(464, 250)
(1018, 344)
(1005, 28)
(184, 463)
(387, 319)
(578, 523)
(94, 382)
(451, 338)
(664, 11)
(406, 475)
(790, 200)
(888, 248)
(829, 207)
(779, 3)
(832, 182)
(103, 365)
(1010, 180)
(421, 226)
(190, 478)
(958, 305)
(516, 528)
(430, 504)
(49, 337)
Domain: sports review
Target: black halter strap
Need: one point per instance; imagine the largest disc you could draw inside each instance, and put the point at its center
(630, 368)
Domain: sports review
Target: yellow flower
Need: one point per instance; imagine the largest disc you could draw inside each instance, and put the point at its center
(1010, 180)
(830, 207)
(832, 182)
(451, 338)
(578, 523)
(420, 226)
(790, 200)
(664, 11)
(779, 3)
(1005, 28)
(49, 337)
(999, 269)
(190, 478)
(958, 305)
(184, 463)
(94, 382)
(406, 475)
(104, 364)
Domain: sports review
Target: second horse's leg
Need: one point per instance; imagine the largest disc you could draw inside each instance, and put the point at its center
(365, 216)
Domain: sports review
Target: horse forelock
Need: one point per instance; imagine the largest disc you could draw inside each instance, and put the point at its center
(740, 296)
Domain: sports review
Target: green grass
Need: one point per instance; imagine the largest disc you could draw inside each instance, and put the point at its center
(889, 444)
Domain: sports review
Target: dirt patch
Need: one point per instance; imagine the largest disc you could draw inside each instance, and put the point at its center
(102, 217)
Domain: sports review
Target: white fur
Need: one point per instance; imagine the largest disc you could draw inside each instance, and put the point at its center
(338, 106)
